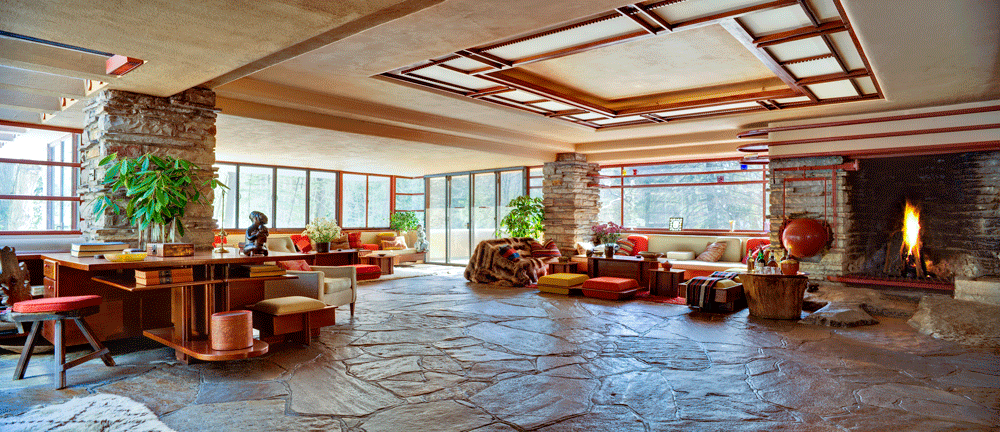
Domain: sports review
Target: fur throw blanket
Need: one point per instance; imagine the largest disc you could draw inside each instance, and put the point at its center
(488, 266)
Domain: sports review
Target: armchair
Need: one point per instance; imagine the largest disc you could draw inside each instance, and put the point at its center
(335, 286)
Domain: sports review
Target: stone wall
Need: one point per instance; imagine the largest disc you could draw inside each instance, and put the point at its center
(132, 124)
(572, 200)
(805, 199)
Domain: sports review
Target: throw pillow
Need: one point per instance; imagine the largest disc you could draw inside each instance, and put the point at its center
(394, 244)
(508, 252)
(626, 247)
(342, 242)
(302, 242)
(300, 265)
(753, 244)
(641, 243)
(583, 247)
(548, 250)
(385, 236)
(713, 252)
(354, 238)
(680, 255)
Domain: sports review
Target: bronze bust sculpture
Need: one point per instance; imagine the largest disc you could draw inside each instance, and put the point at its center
(256, 235)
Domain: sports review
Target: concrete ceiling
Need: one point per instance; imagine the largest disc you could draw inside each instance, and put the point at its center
(295, 78)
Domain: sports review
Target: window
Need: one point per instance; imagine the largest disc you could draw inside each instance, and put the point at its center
(535, 179)
(225, 213)
(379, 201)
(38, 173)
(255, 193)
(409, 194)
(355, 200)
(290, 211)
(322, 195)
(714, 195)
(511, 186)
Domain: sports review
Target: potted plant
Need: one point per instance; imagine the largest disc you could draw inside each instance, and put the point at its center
(158, 189)
(607, 234)
(526, 218)
(404, 221)
(322, 231)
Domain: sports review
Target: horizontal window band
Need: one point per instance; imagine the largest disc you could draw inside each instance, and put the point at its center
(40, 198)
(40, 162)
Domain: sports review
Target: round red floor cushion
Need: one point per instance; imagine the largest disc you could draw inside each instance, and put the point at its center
(57, 304)
(366, 268)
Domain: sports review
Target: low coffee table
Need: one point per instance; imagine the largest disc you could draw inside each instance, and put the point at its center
(564, 267)
(384, 262)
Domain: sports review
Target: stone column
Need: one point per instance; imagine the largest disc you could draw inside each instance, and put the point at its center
(572, 200)
(132, 124)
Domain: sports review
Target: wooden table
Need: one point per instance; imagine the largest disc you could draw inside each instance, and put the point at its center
(665, 282)
(566, 267)
(335, 257)
(131, 310)
(774, 296)
(623, 267)
(384, 262)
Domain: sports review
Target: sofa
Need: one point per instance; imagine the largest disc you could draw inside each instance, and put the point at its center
(283, 243)
(732, 257)
(488, 266)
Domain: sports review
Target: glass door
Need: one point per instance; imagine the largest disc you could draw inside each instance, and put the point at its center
(436, 223)
(459, 244)
(484, 212)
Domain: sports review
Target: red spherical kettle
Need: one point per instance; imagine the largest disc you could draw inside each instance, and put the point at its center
(804, 237)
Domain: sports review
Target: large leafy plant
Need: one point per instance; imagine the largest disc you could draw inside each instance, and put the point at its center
(404, 221)
(526, 218)
(159, 191)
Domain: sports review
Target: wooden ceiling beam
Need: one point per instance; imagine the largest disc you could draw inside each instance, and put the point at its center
(567, 113)
(800, 33)
(735, 13)
(838, 76)
(653, 16)
(580, 48)
(631, 13)
(807, 59)
(809, 13)
(409, 79)
(501, 78)
(857, 45)
(662, 109)
(603, 17)
(428, 64)
(741, 34)
(479, 58)
(491, 91)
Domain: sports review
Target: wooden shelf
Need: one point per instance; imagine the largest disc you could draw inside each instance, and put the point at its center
(129, 284)
(202, 349)
(262, 278)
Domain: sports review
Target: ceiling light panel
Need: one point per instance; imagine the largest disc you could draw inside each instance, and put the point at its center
(866, 85)
(521, 96)
(687, 10)
(588, 116)
(833, 90)
(577, 36)
(814, 68)
(798, 49)
(554, 106)
(776, 20)
(620, 120)
(792, 100)
(452, 77)
(698, 110)
(845, 47)
(824, 9)
(465, 64)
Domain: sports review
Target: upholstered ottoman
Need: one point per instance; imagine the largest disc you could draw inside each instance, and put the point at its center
(610, 288)
(294, 316)
(561, 283)
(367, 271)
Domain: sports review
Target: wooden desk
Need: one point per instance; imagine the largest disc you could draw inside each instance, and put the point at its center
(622, 267)
(129, 310)
(335, 257)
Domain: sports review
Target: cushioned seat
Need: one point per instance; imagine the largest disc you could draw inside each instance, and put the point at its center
(606, 283)
(367, 271)
(562, 279)
(57, 304)
(288, 305)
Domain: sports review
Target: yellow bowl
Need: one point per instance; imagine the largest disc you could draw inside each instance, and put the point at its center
(125, 257)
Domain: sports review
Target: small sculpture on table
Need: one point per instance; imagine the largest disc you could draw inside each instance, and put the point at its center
(256, 235)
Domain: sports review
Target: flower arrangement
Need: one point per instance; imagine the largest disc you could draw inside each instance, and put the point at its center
(607, 233)
(322, 230)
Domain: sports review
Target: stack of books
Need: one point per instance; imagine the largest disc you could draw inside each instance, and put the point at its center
(96, 248)
(164, 276)
(257, 270)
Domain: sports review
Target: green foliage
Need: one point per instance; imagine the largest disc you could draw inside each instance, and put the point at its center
(159, 190)
(526, 218)
(404, 221)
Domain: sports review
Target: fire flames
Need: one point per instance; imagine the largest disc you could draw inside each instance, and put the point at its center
(911, 229)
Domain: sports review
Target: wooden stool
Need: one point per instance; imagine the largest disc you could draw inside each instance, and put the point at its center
(231, 330)
(58, 309)
(292, 317)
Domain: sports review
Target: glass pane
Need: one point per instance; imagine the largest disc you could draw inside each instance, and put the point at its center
(611, 210)
(535, 192)
(378, 201)
(291, 208)
(355, 197)
(25, 215)
(511, 186)
(484, 212)
(436, 219)
(36, 144)
(409, 202)
(322, 195)
(255, 193)
(227, 175)
(458, 221)
(405, 185)
(36, 180)
(702, 207)
(535, 177)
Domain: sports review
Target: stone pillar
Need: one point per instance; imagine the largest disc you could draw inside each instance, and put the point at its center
(572, 200)
(132, 124)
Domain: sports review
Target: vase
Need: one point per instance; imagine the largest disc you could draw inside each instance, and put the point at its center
(323, 247)
(609, 251)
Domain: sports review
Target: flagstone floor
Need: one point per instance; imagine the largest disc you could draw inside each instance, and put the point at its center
(439, 354)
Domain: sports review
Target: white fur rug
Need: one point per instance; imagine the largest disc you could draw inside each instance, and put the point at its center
(99, 412)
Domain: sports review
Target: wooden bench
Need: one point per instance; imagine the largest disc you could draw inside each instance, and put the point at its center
(294, 318)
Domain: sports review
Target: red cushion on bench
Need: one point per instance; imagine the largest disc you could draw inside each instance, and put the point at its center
(57, 304)
(606, 283)
(366, 268)
(370, 247)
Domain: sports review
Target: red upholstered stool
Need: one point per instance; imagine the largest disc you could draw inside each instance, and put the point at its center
(367, 271)
(610, 288)
(58, 309)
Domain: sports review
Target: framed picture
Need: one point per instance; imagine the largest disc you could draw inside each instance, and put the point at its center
(676, 224)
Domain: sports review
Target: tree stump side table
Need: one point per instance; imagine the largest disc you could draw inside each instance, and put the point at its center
(775, 296)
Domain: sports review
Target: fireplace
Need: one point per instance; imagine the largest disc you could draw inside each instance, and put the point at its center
(951, 203)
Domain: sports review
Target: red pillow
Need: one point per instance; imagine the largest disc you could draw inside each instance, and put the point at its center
(548, 250)
(302, 242)
(354, 239)
(641, 243)
(300, 265)
(753, 244)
